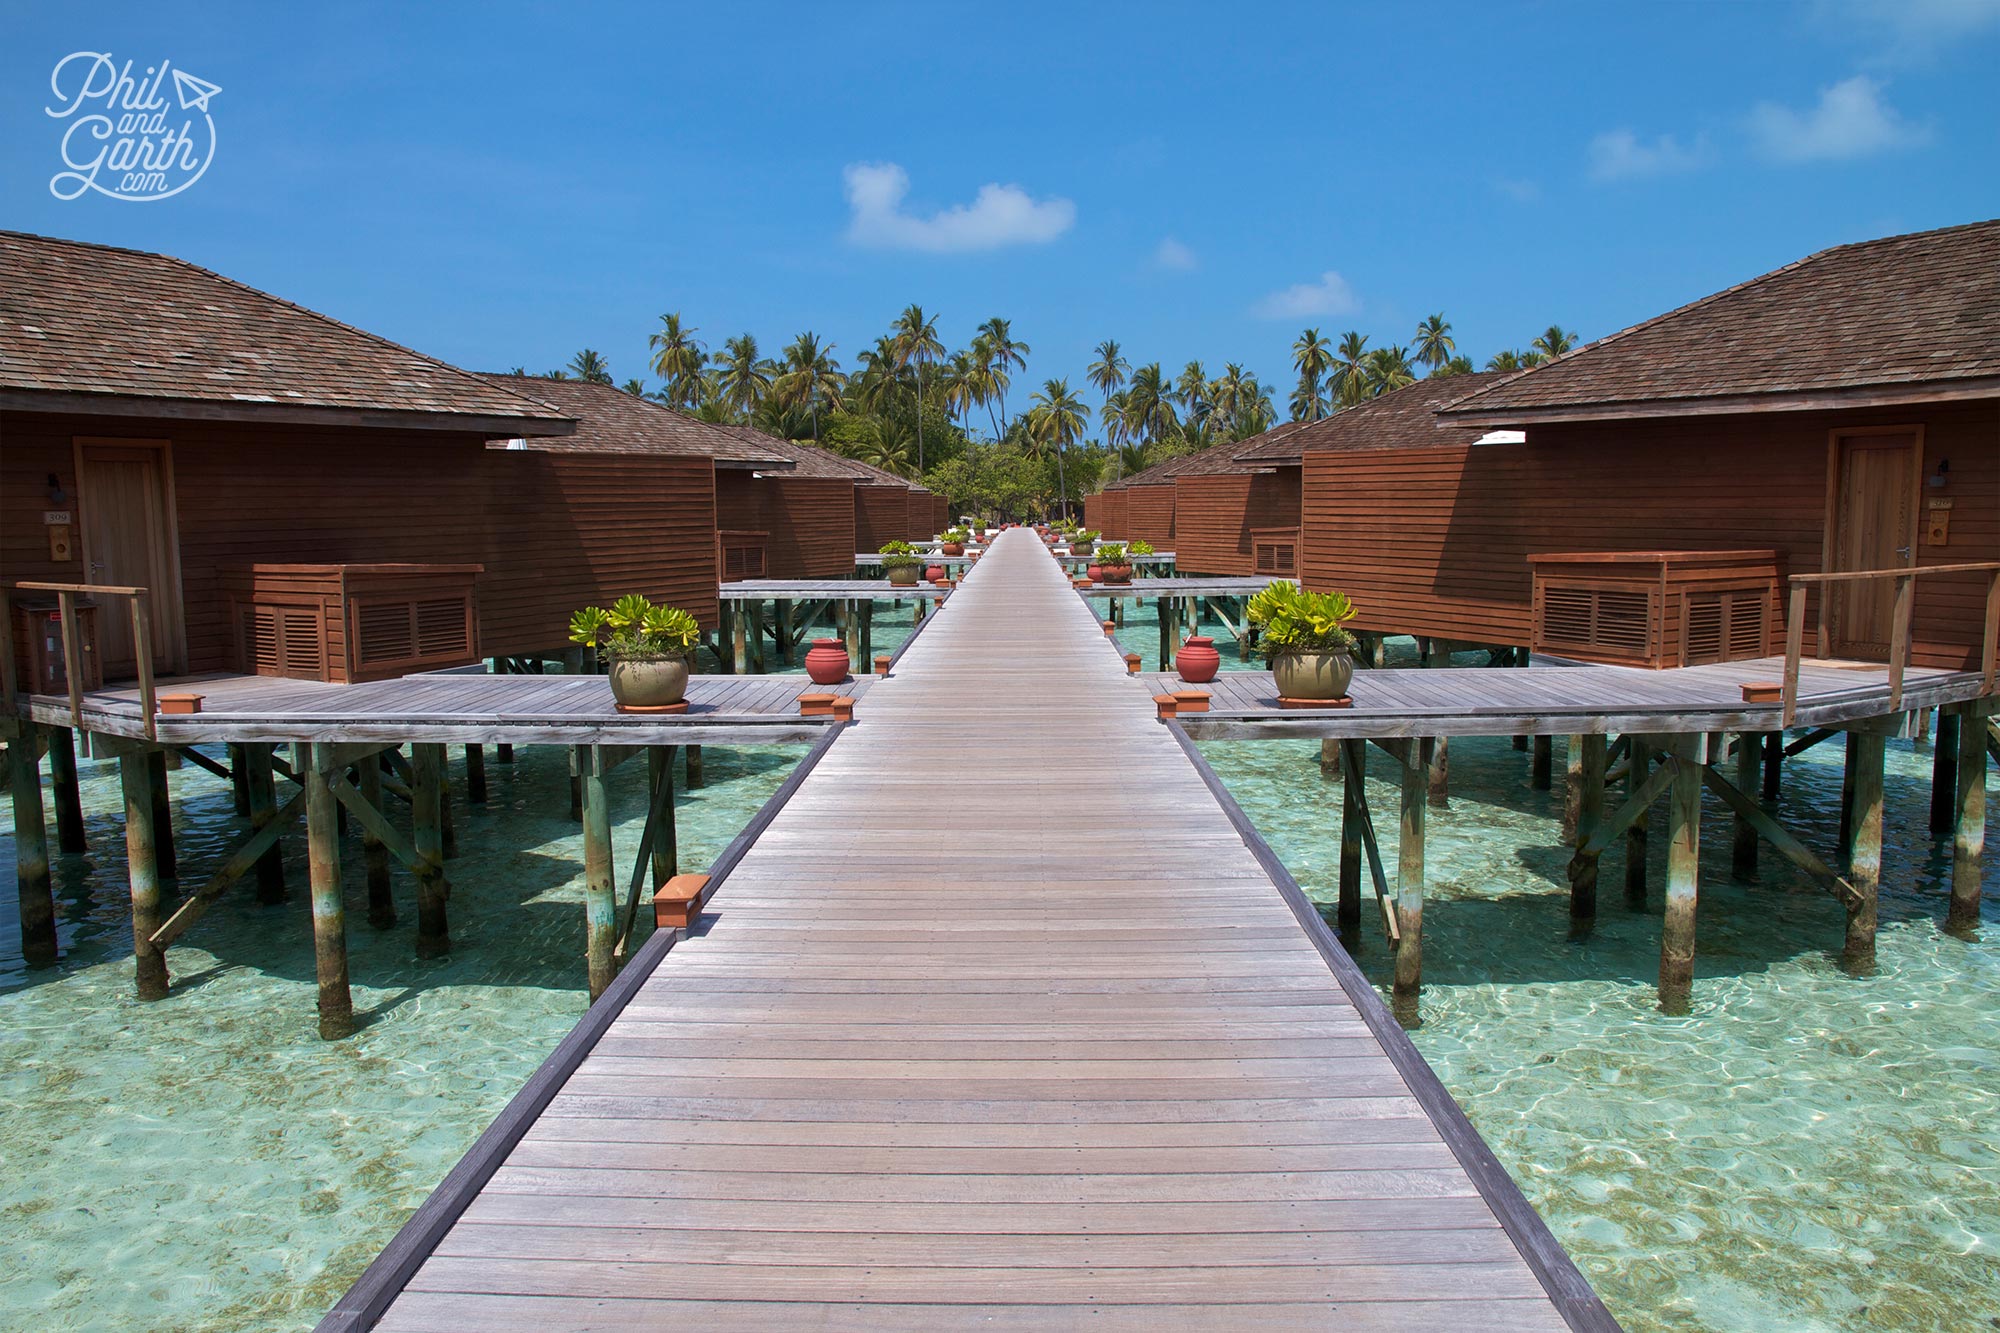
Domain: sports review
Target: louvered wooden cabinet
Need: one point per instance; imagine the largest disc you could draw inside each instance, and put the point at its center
(352, 622)
(1275, 551)
(741, 555)
(1656, 608)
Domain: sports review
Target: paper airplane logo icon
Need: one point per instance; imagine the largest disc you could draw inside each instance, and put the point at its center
(194, 93)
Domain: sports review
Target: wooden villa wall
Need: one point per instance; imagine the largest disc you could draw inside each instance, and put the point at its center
(881, 514)
(1214, 516)
(1149, 516)
(1435, 541)
(812, 527)
(553, 531)
(919, 516)
(1105, 512)
(941, 516)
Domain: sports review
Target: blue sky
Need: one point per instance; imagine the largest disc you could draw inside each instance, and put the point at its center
(504, 184)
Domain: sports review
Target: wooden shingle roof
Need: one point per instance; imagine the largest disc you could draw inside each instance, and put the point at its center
(1901, 319)
(96, 329)
(609, 420)
(1404, 418)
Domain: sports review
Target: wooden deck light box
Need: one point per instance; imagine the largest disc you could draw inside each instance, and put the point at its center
(346, 623)
(1656, 608)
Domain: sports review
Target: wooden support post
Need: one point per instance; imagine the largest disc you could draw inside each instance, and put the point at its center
(63, 785)
(1590, 761)
(142, 868)
(694, 777)
(1573, 784)
(163, 816)
(1683, 875)
(239, 790)
(504, 753)
(1541, 766)
(258, 783)
(1439, 656)
(1774, 764)
(853, 634)
(1944, 771)
(1743, 847)
(1865, 858)
(336, 1004)
(1410, 885)
(1349, 915)
(1165, 607)
(1638, 769)
(1847, 800)
(381, 903)
(787, 636)
(867, 632)
(31, 843)
(600, 895)
(575, 787)
(446, 825)
(427, 837)
(475, 774)
(1329, 759)
(666, 841)
(1968, 843)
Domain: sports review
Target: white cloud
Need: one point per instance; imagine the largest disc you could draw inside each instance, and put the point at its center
(1171, 254)
(1622, 155)
(999, 215)
(1330, 295)
(1905, 32)
(1850, 120)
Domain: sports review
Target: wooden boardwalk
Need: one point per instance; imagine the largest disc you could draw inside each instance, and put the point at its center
(1066, 1047)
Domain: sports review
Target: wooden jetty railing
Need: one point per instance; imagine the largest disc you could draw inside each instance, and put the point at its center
(66, 595)
(1899, 633)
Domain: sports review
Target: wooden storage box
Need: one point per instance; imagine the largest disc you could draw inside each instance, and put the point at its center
(1656, 608)
(351, 622)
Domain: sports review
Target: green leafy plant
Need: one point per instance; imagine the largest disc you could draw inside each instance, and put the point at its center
(1293, 620)
(956, 536)
(1139, 548)
(899, 555)
(635, 628)
(1110, 554)
(1083, 536)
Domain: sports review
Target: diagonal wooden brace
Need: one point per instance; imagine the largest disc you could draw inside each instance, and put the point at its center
(247, 856)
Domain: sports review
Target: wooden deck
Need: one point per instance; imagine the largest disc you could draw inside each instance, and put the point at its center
(1180, 585)
(839, 590)
(1066, 1048)
(456, 708)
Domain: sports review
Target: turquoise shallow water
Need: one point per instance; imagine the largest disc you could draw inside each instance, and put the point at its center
(1805, 1150)
(206, 1162)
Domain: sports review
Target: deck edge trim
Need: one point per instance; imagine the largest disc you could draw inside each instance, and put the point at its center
(1568, 1289)
(414, 1242)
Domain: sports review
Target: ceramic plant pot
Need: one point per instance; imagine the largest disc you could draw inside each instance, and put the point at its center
(1079, 548)
(1197, 661)
(954, 548)
(827, 662)
(1094, 572)
(1113, 573)
(935, 573)
(1312, 675)
(649, 682)
(904, 576)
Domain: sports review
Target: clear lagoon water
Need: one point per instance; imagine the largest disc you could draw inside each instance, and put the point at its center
(1805, 1150)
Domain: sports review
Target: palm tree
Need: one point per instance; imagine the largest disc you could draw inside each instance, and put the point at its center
(1458, 365)
(742, 378)
(1057, 419)
(1004, 357)
(588, 365)
(1434, 341)
(1505, 361)
(915, 338)
(1554, 341)
(637, 388)
(1149, 404)
(1191, 392)
(678, 358)
(1132, 458)
(1107, 373)
(1112, 415)
(809, 375)
(962, 392)
(1312, 357)
(1350, 369)
(874, 388)
(1389, 368)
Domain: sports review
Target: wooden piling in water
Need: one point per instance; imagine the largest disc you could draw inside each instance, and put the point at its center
(1865, 851)
(1750, 751)
(1439, 656)
(36, 890)
(142, 870)
(694, 776)
(1348, 915)
(1677, 930)
(1968, 843)
(475, 774)
(262, 795)
(1637, 769)
(163, 816)
(1541, 766)
(600, 895)
(63, 787)
(1410, 884)
(381, 901)
(504, 753)
(1589, 754)
(329, 914)
(239, 787)
(427, 829)
(666, 839)
(1944, 771)
(1573, 785)
(1774, 764)
(1847, 800)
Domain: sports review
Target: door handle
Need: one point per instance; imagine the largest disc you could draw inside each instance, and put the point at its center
(1903, 551)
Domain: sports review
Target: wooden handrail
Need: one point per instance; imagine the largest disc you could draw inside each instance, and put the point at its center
(66, 595)
(1899, 633)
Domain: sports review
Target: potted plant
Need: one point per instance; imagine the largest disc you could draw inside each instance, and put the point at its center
(900, 564)
(1305, 638)
(1080, 541)
(954, 541)
(1138, 548)
(649, 647)
(1110, 564)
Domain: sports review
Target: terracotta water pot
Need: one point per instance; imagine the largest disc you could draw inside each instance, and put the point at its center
(827, 662)
(954, 548)
(1094, 572)
(649, 682)
(904, 576)
(935, 573)
(1114, 573)
(1197, 661)
(1312, 675)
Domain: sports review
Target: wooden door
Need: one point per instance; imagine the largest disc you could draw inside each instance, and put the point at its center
(1872, 526)
(128, 541)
